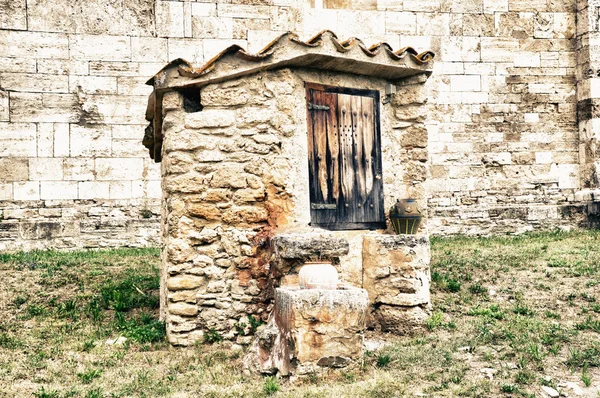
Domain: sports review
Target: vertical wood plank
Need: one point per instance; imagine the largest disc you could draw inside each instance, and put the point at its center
(311, 144)
(321, 145)
(346, 162)
(323, 155)
(369, 142)
(360, 195)
(333, 143)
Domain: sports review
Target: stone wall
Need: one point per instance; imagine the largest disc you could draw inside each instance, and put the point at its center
(236, 174)
(503, 132)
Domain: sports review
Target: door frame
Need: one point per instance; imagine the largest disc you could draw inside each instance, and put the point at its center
(374, 94)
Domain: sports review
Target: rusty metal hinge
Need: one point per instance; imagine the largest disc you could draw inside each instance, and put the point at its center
(323, 206)
(314, 107)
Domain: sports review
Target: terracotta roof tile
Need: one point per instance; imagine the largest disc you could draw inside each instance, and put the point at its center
(268, 53)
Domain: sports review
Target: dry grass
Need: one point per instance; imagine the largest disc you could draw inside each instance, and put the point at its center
(527, 308)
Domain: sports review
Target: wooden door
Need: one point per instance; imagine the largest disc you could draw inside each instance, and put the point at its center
(344, 157)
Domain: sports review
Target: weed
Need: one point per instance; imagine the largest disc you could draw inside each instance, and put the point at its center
(536, 354)
(478, 289)
(589, 356)
(348, 377)
(585, 376)
(588, 298)
(557, 263)
(524, 377)
(93, 310)
(9, 342)
(589, 324)
(143, 328)
(436, 319)
(445, 282)
(212, 336)
(554, 334)
(130, 292)
(240, 328)
(453, 285)
(509, 388)
(34, 310)
(493, 311)
(95, 393)
(42, 393)
(552, 315)
(88, 345)
(255, 323)
(521, 308)
(19, 301)
(383, 360)
(89, 375)
(271, 385)
(69, 309)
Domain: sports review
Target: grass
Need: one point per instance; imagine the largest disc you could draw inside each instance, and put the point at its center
(526, 307)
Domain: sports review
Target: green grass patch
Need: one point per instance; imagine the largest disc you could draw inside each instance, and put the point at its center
(526, 306)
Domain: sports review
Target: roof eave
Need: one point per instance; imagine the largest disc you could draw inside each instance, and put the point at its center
(178, 76)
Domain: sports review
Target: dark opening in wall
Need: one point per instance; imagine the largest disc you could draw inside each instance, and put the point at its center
(191, 99)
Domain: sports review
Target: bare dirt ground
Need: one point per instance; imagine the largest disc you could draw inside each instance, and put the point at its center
(512, 316)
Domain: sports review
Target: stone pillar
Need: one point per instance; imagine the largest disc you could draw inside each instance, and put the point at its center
(319, 328)
(588, 90)
(396, 275)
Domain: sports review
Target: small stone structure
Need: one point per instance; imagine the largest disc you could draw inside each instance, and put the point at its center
(275, 158)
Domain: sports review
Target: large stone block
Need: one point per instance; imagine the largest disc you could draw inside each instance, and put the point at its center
(58, 190)
(107, 17)
(33, 44)
(14, 169)
(93, 189)
(118, 169)
(48, 230)
(318, 328)
(36, 83)
(45, 169)
(4, 106)
(114, 109)
(13, 14)
(399, 320)
(169, 18)
(310, 245)
(29, 190)
(47, 107)
(185, 282)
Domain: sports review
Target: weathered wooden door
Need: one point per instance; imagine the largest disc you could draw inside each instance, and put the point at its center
(344, 158)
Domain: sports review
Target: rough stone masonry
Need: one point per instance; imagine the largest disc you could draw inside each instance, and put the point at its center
(512, 102)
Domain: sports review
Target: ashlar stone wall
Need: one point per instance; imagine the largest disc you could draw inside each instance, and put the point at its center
(236, 174)
(508, 153)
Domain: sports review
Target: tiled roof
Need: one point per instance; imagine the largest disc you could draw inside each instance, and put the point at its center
(320, 52)
(323, 51)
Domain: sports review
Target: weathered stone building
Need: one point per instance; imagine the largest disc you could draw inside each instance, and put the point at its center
(283, 156)
(512, 105)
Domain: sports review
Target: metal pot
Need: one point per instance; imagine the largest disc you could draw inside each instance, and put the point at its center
(405, 216)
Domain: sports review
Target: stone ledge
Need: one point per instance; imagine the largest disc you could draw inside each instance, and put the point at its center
(309, 245)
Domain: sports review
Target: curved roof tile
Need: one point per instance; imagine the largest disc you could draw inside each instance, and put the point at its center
(268, 55)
